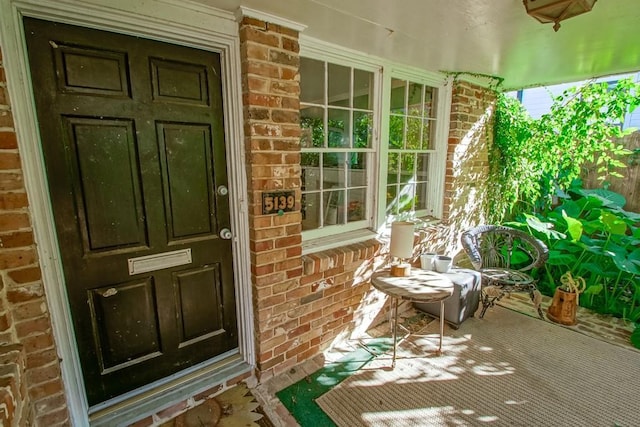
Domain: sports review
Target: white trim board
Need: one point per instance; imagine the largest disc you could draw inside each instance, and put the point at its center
(179, 22)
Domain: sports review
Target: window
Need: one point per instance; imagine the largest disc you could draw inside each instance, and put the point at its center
(336, 116)
(373, 144)
(411, 143)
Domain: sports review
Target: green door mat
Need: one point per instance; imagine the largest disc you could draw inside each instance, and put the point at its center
(300, 398)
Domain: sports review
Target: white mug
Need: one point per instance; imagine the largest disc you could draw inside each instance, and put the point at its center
(426, 260)
(443, 263)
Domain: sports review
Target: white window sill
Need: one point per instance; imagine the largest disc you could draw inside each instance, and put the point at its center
(338, 240)
(357, 236)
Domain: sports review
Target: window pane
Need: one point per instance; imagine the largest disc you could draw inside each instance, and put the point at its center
(393, 168)
(429, 102)
(362, 89)
(333, 170)
(311, 81)
(334, 212)
(357, 176)
(397, 96)
(392, 205)
(429, 134)
(310, 171)
(415, 100)
(405, 199)
(362, 129)
(339, 85)
(396, 132)
(407, 163)
(310, 211)
(422, 167)
(312, 123)
(428, 138)
(421, 195)
(338, 128)
(413, 133)
(356, 205)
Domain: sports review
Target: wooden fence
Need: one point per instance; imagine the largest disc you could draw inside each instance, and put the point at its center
(629, 185)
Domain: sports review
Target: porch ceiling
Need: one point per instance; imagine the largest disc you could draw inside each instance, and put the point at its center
(494, 37)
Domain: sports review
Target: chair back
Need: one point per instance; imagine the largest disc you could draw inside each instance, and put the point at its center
(496, 246)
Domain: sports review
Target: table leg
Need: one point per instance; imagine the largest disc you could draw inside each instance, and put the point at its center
(395, 331)
(441, 327)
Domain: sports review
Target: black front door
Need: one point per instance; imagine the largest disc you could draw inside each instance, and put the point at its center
(133, 141)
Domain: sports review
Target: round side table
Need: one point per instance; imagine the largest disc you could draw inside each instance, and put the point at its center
(420, 286)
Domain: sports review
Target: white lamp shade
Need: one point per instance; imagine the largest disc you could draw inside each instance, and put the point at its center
(401, 245)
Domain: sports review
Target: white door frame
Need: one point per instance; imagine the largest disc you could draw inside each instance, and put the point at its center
(175, 21)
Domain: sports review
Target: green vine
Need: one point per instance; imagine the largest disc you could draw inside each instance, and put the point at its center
(533, 160)
(495, 82)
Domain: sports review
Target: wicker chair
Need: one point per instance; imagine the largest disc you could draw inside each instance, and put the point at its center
(504, 256)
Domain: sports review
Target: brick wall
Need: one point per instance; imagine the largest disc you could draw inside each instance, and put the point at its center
(15, 407)
(304, 304)
(467, 168)
(271, 91)
(24, 316)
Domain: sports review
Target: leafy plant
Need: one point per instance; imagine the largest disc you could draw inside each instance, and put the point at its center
(591, 236)
(531, 161)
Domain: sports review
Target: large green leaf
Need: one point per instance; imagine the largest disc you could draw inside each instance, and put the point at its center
(618, 251)
(593, 289)
(627, 265)
(608, 198)
(543, 227)
(570, 208)
(574, 227)
(593, 267)
(613, 224)
(590, 202)
(559, 258)
(594, 226)
(632, 216)
(568, 246)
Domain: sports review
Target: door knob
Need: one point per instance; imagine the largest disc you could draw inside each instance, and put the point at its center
(225, 234)
(223, 190)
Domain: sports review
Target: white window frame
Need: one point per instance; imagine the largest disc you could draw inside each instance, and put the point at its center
(384, 71)
(438, 157)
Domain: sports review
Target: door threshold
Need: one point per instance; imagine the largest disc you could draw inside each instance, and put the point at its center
(148, 400)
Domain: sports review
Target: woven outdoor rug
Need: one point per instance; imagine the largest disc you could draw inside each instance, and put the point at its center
(507, 369)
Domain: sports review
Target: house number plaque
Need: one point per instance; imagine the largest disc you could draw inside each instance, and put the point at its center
(278, 202)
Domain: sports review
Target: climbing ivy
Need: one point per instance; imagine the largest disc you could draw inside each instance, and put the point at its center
(533, 160)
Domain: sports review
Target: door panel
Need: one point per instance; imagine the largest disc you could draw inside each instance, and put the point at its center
(108, 196)
(176, 82)
(195, 294)
(91, 71)
(133, 141)
(187, 182)
(125, 324)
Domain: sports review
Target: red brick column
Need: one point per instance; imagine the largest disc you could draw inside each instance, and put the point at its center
(23, 307)
(271, 98)
(467, 167)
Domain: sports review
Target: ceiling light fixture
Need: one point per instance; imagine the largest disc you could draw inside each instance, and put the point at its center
(547, 11)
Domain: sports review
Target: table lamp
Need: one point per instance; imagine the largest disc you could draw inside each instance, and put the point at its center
(401, 247)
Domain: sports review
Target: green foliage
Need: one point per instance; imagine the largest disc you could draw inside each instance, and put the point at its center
(533, 160)
(591, 236)
(510, 172)
(635, 337)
